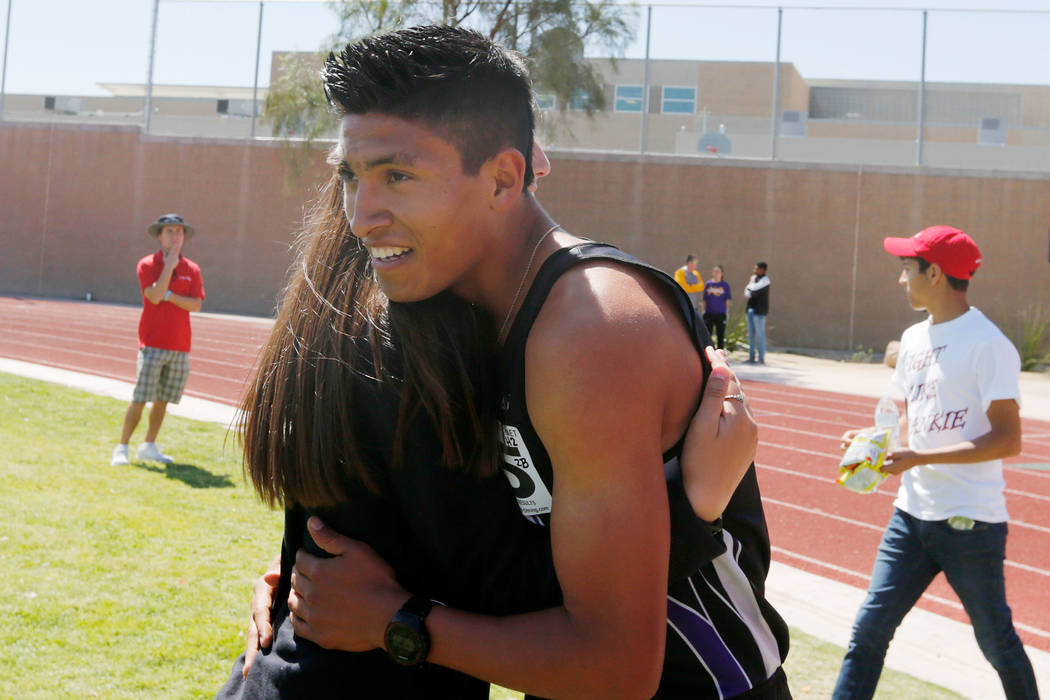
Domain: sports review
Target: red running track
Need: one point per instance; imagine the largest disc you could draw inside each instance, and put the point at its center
(814, 524)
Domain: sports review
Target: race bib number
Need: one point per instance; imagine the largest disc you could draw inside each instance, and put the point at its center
(533, 496)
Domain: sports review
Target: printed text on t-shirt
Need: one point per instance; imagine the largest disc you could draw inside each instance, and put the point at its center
(918, 361)
(938, 422)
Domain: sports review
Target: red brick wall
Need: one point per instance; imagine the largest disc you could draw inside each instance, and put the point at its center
(807, 221)
(75, 203)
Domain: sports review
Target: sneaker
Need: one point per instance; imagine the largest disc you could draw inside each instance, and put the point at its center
(150, 451)
(120, 456)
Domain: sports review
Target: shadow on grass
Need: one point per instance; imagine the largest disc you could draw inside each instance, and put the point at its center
(189, 474)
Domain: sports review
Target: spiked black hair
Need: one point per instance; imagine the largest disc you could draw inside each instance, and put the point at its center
(472, 91)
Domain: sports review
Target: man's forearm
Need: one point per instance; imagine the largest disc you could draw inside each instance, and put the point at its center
(983, 449)
(156, 291)
(187, 303)
(1002, 440)
(545, 653)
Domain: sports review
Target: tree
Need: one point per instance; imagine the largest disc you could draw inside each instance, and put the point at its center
(550, 33)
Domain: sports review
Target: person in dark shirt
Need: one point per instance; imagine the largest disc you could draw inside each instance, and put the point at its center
(414, 293)
(757, 293)
(717, 297)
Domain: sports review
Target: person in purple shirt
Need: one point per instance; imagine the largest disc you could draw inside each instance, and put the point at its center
(717, 296)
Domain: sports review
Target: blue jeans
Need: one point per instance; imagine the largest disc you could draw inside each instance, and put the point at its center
(756, 336)
(912, 552)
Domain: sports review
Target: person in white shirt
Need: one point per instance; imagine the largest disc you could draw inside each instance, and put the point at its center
(959, 375)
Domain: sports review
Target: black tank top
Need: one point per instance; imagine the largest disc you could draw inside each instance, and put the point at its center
(723, 638)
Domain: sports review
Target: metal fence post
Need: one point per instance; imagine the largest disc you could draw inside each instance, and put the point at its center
(922, 96)
(3, 71)
(147, 106)
(255, 85)
(775, 131)
(645, 81)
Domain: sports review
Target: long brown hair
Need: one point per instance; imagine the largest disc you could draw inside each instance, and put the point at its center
(337, 345)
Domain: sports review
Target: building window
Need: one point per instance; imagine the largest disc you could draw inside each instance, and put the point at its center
(578, 103)
(629, 98)
(545, 100)
(679, 100)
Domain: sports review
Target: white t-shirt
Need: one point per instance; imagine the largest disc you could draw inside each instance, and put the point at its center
(950, 373)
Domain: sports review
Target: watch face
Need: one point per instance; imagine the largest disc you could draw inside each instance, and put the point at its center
(405, 643)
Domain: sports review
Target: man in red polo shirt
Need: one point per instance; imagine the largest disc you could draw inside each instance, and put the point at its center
(171, 288)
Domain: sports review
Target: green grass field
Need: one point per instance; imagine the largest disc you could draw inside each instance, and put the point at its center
(133, 582)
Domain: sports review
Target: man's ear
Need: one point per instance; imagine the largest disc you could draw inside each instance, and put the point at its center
(935, 273)
(506, 171)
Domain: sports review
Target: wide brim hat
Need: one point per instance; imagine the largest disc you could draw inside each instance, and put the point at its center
(170, 220)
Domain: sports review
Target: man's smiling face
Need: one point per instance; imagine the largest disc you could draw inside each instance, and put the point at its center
(410, 203)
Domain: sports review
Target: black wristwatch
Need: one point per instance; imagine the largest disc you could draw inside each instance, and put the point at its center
(406, 636)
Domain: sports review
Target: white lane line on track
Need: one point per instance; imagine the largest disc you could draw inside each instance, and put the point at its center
(955, 605)
(801, 411)
(822, 563)
(880, 491)
(1037, 466)
(825, 436)
(198, 354)
(823, 514)
(836, 458)
(792, 392)
(799, 431)
(1027, 494)
(817, 477)
(89, 335)
(39, 346)
(1029, 526)
(124, 377)
(219, 331)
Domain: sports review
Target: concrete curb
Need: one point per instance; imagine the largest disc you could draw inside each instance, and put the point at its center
(188, 407)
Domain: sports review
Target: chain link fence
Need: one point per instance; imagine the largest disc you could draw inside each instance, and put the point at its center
(960, 89)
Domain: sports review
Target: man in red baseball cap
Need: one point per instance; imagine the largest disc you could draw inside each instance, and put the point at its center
(951, 249)
(959, 375)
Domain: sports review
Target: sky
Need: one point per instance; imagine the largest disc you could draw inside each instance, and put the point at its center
(70, 47)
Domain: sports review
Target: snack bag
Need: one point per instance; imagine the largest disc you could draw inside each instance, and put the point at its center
(861, 467)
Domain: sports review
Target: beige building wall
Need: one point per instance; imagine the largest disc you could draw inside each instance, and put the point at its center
(738, 95)
(731, 95)
(75, 202)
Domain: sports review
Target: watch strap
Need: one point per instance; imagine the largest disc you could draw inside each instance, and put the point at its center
(410, 617)
(419, 606)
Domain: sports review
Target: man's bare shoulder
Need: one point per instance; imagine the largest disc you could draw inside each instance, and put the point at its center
(609, 355)
(609, 303)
